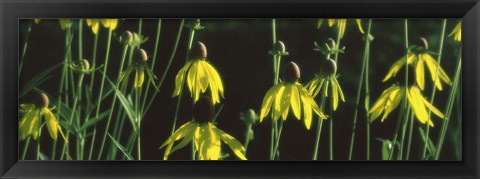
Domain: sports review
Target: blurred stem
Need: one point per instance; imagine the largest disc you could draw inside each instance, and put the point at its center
(367, 91)
(407, 156)
(319, 128)
(65, 80)
(448, 109)
(70, 122)
(94, 61)
(154, 59)
(24, 49)
(37, 153)
(80, 39)
(248, 137)
(402, 112)
(179, 98)
(277, 142)
(432, 97)
(104, 75)
(25, 148)
(112, 105)
(405, 104)
(138, 118)
(330, 131)
(276, 66)
(172, 55)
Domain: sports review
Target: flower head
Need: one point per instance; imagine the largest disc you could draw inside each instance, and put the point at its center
(418, 57)
(341, 24)
(391, 97)
(140, 66)
(457, 32)
(110, 24)
(290, 94)
(326, 78)
(200, 75)
(94, 24)
(31, 124)
(82, 66)
(65, 23)
(205, 136)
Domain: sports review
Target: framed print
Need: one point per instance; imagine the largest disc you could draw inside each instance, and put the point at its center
(239, 89)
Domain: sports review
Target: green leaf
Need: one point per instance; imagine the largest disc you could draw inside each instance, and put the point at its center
(43, 156)
(119, 146)
(430, 147)
(386, 148)
(37, 80)
(94, 120)
(126, 104)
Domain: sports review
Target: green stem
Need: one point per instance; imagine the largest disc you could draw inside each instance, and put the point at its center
(367, 92)
(104, 75)
(397, 127)
(319, 127)
(139, 120)
(432, 97)
(122, 63)
(154, 59)
(70, 122)
(179, 98)
(37, 153)
(94, 63)
(277, 141)
(405, 105)
(25, 148)
(24, 49)
(407, 156)
(448, 109)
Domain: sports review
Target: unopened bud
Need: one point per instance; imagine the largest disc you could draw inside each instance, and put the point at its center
(329, 67)
(85, 65)
(41, 100)
(198, 51)
(141, 56)
(127, 37)
(291, 72)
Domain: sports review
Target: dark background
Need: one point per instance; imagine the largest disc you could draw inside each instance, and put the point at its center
(238, 49)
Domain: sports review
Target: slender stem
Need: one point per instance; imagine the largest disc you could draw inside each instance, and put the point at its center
(367, 92)
(139, 120)
(25, 148)
(319, 128)
(172, 56)
(24, 49)
(94, 61)
(405, 105)
(179, 98)
(37, 153)
(448, 109)
(122, 63)
(397, 127)
(154, 59)
(74, 109)
(432, 97)
(102, 84)
(407, 155)
(330, 132)
(247, 137)
(277, 140)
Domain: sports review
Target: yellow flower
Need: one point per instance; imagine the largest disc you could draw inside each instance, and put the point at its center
(391, 97)
(419, 60)
(30, 124)
(110, 24)
(326, 78)
(206, 137)
(457, 32)
(65, 23)
(200, 75)
(94, 24)
(290, 94)
(341, 24)
(36, 21)
(140, 66)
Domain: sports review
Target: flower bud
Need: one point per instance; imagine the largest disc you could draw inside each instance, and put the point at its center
(140, 56)
(41, 100)
(127, 37)
(329, 67)
(291, 72)
(423, 42)
(203, 110)
(278, 47)
(198, 51)
(85, 65)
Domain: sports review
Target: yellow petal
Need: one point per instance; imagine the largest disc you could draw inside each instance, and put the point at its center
(110, 24)
(342, 24)
(295, 102)
(327, 82)
(334, 95)
(36, 125)
(432, 66)
(139, 78)
(191, 77)
(419, 73)
(268, 101)
(457, 32)
(307, 108)
(214, 150)
(180, 79)
(319, 23)
(285, 101)
(417, 105)
(331, 22)
(359, 25)
(233, 143)
(64, 23)
(339, 89)
(315, 85)
(179, 133)
(278, 102)
(26, 123)
(392, 101)
(51, 123)
(433, 109)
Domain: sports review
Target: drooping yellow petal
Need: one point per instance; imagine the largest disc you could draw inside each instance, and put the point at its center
(393, 99)
(214, 151)
(398, 65)
(433, 109)
(339, 89)
(187, 139)
(315, 85)
(180, 79)
(26, 123)
(211, 82)
(205, 143)
(295, 102)
(379, 105)
(334, 94)
(110, 24)
(285, 101)
(325, 91)
(233, 143)
(51, 123)
(179, 133)
(139, 78)
(278, 102)
(307, 108)
(268, 101)
(418, 106)
(432, 66)
(457, 32)
(342, 24)
(198, 136)
(420, 73)
(94, 24)
(359, 25)
(191, 77)
(36, 125)
(319, 23)
(331, 22)
(217, 80)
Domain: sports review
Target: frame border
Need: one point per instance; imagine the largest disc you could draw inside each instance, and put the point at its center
(11, 10)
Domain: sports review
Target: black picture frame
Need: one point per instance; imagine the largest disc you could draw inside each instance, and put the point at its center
(11, 11)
